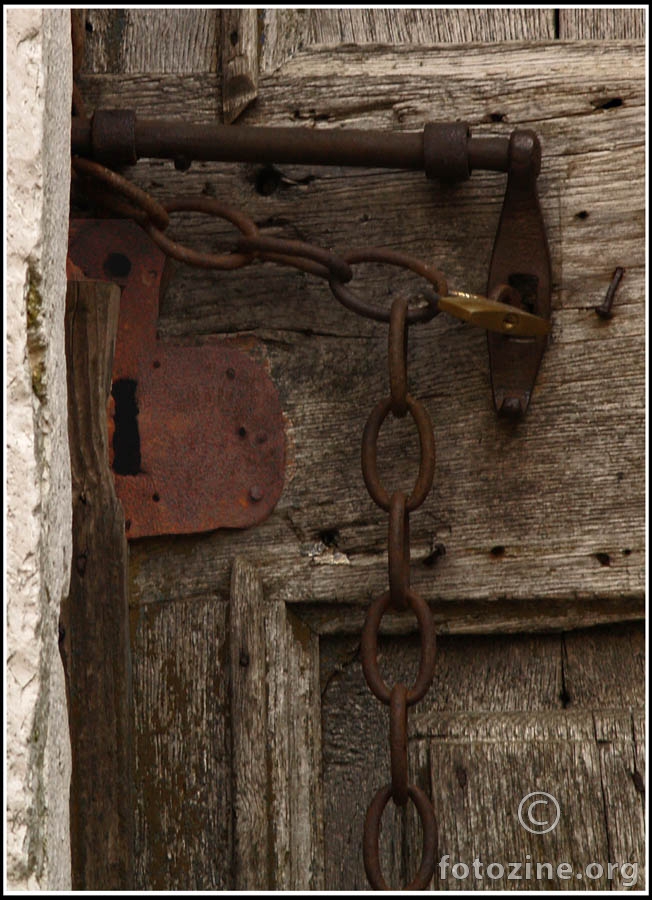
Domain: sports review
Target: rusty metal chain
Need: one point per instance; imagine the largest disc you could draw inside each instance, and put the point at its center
(399, 597)
(112, 192)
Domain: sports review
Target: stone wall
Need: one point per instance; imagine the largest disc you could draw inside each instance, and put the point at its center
(38, 500)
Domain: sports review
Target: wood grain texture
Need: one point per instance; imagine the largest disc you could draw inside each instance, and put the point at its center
(526, 527)
(275, 714)
(251, 856)
(286, 31)
(496, 724)
(94, 630)
(619, 23)
(239, 42)
(184, 801)
(605, 674)
(619, 748)
(483, 766)
(183, 41)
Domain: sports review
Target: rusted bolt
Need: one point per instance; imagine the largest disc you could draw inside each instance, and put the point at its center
(256, 493)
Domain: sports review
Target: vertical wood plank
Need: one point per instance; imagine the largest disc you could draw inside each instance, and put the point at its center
(294, 741)
(285, 31)
(183, 744)
(617, 23)
(239, 43)
(95, 619)
(275, 711)
(604, 670)
(484, 766)
(624, 814)
(278, 716)
(249, 729)
(305, 758)
(175, 41)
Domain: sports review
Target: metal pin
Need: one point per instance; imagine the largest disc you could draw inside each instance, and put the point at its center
(604, 310)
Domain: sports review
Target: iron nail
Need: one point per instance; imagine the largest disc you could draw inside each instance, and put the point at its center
(604, 310)
(256, 493)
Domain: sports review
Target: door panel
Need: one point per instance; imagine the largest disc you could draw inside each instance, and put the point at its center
(247, 681)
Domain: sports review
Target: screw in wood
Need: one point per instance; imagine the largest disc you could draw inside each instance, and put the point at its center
(604, 310)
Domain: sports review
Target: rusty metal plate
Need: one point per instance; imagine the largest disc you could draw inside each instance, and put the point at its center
(196, 431)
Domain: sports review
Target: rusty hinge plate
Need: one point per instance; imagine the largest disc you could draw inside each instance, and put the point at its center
(196, 432)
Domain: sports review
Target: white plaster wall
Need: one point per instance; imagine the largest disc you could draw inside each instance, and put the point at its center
(38, 496)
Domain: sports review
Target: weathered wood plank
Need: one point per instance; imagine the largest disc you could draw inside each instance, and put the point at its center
(183, 41)
(94, 636)
(294, 752)
(481, 769)
(483, 766)
(239, 29)
(278, 705)
(624, 811)
(285, 31)
(495, 704)
(570, 528)
(304, 783)
(251, 857)
(184, 802)
(618, 23)
(276, 724)
(607, 674)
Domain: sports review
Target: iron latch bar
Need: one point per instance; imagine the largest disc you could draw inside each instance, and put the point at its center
(519, 279)
(442, 150)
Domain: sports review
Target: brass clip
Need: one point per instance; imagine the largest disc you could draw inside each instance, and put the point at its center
(492, 315)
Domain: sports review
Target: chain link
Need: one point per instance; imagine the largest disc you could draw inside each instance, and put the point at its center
(300, 255)
(398, 551)
(399, 596)
(210, 207)
(393, 258)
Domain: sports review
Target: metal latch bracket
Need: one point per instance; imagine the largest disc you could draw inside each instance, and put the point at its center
(520, 260)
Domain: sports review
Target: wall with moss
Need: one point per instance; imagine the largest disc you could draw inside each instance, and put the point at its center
(38, 501)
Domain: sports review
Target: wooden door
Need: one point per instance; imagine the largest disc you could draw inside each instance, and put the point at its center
(258, 746)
